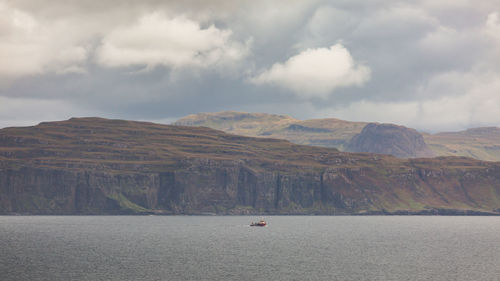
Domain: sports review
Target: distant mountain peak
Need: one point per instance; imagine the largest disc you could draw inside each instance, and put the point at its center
(104, 166)
(480, 143)
(390, 139)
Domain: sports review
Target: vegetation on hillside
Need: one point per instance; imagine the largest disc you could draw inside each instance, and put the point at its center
(96, 166)
(478, 143)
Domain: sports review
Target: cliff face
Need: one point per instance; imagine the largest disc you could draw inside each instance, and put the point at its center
(478, 143)
(99, 166)
(390, 139)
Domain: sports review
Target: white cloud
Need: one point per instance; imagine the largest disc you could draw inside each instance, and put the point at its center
(28, 46)
(34, 42)
(493, 21)
(397, 23)
(476, 44)
(316, 72)
(492, 31)
(174, 42)
(470, 99)
(432, 63)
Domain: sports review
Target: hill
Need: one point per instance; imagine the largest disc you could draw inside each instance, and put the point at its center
(327, 132)
(101, 166)
(390, 139)
(478, 143)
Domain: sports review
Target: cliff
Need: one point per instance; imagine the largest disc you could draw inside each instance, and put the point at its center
(390, 139)
(478, 143)
(101, 166)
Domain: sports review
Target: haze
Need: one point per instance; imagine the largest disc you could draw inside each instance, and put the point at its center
(431, 65)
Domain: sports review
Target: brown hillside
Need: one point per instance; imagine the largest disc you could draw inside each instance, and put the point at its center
(329, 132)
(390, 139)
(101, 166)
(478, 143)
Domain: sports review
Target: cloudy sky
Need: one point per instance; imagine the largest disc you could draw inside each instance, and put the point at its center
(432, 65)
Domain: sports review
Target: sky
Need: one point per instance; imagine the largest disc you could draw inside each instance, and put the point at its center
(431, 65)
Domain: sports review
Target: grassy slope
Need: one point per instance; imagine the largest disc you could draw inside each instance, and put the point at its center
(332, 132)
(119, 146)
(104, 141)
(479, 143)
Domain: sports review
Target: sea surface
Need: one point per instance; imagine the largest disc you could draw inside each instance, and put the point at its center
(227, 248)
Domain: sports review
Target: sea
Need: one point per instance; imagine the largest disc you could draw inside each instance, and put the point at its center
(227, 248)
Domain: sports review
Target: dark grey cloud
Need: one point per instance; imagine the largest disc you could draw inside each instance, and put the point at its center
(160, 60)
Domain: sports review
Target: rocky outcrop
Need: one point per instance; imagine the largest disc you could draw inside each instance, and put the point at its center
(215, 187)
(478, 143)
(99, 166)
(390, 139)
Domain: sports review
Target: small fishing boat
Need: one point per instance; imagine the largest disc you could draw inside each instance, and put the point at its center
(260, 223)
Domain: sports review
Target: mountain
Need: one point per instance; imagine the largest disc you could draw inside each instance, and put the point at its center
(240, 123)
(478, 143)
(102, 166)
(327, 132)
(390, 139)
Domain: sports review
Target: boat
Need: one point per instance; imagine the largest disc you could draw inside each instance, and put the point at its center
(259, 223)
